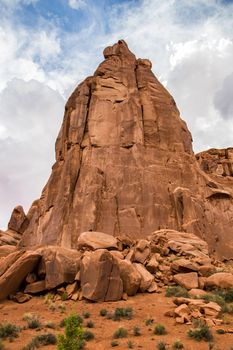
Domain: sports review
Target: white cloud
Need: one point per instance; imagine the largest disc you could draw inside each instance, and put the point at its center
(77, 4)
(15, 3)
(31, 115)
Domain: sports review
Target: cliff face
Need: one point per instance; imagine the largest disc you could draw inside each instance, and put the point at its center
(125, 165)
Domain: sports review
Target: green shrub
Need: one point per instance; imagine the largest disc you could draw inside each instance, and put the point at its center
(160, 329)
(79, 320)
(130, 344)
(176, 291)
(177, 345)
(120, 333)
(125, 313)
(201, 333)
(114, 343)
(220, 331)
(64, 296)
(8, 330)
(41, 340)
(73, 339)
(32, 321)
(161, 345)
(136, 331)
(149, 322)
(87, 335)
(90, 324)
(103, 312)
(86, 314)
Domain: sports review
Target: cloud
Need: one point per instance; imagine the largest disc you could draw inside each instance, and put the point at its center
(77, 4)
(223, 99)
(31, 115)
(16, 3)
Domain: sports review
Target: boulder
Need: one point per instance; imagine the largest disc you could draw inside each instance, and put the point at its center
(35, 287)
(9, 260)
(130, 276)
(59, 265)
(100, 277)
(206, 270)
(146, 277)
(220, 280)
(187, 280)
(20, 297)
(18, 220)
(152, 265)
(142, 251)
(183, 265)
(11, 280)
(195, 292)
(96, 240)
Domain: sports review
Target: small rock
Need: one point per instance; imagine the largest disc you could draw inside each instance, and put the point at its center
(35, 287)
(187, 280)
(20, 297)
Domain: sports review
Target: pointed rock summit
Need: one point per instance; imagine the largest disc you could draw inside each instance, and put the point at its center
(125, 166)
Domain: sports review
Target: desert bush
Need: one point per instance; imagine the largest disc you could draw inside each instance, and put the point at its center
(130, 344)
(73, 339)
(88, 335)
(78, 317)
(177, 345)
(33, 321)
(41, 340)
(86, 314)
(114, 343)
(50, 324)
(161, 345)
(220, 331)
(176, 291)
(137, 331)
(202, 332)
(160, 329)
(64, 296)
(103, 312)
(149, 322)
(90, 324)
(8, 330)
(125, 313)
(120, 333)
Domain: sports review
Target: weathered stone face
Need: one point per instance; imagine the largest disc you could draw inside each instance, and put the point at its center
(125, 165)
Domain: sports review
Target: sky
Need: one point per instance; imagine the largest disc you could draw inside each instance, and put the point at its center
(47, 47)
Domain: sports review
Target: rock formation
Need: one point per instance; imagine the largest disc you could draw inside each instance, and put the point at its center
(124, 168)
(125, 165)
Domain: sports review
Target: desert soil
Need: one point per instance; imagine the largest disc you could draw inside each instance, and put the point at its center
(145, 306)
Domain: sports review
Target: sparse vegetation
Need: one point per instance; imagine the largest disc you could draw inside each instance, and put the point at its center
(64, 296)
(33, 321)
(149, 322)
(126, 313)
(41, 340)
(90, 324)
(50, 324)
(8, 330)
(159, 329)
(130, 344)
(114, 343)
(73, 339)
(88, 335)
(202, 332)
(137, 331)
(86, 314)
(220, 331)
(161, 346)
(177, 345)
(120, 333)
(177, 291)
(103, 312)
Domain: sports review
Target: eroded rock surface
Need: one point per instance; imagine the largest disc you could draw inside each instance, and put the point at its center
(125, 165)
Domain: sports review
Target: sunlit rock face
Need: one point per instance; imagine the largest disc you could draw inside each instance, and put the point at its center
(125, 165)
